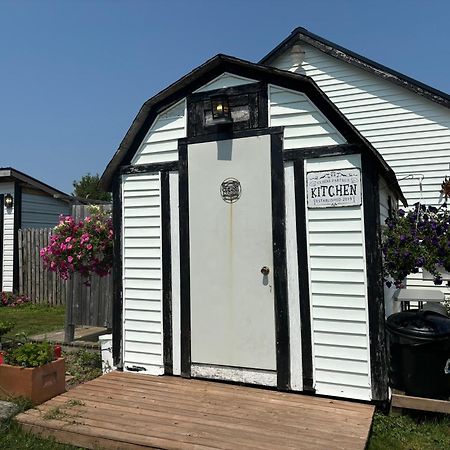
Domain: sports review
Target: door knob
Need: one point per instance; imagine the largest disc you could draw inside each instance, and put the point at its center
(265, 270)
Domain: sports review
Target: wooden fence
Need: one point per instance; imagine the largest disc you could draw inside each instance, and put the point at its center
(35, 281)
(89, 305)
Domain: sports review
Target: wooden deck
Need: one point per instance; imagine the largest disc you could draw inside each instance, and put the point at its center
(131, 411)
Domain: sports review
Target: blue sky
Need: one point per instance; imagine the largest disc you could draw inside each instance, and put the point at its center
(75, 73)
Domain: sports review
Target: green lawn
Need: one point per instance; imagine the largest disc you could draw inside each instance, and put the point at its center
(406, 433)
(33, 319)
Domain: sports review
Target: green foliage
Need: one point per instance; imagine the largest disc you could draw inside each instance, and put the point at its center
(6, 326)
(31, 354)
(83, 365)
(406, 433)
(88, 187)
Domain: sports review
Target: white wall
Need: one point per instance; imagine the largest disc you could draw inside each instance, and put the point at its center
(142, 283)
(411, 132)
(40, 210)
(338, 293)
(305, 125)
(8, 240)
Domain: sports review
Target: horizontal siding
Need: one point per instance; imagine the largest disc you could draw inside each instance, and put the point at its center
(42, 211)
(142, 279)
(8, 240)
(161, 142)
(411, 133)
(304, 125)
(338, 294)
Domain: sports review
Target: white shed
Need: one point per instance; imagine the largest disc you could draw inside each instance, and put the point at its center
(24, 203)
(247, 244)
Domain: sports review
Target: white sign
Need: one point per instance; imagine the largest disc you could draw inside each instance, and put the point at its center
(334, 188)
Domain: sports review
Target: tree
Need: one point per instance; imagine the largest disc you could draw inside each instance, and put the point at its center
(88, 187)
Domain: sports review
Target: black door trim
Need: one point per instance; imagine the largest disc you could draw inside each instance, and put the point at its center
(279, 249)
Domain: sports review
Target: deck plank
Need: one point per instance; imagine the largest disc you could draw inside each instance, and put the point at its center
(134, 411)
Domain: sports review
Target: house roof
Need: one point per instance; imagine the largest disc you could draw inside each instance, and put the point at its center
(344, 54)
(209, 71)
(8, 173)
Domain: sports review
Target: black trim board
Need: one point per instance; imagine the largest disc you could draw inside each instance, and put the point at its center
(146, 168)
(260, 73)
(303, 275)
(2, 225)
(279, 260)
(117, 319)
(348, 56)
(166, 274)
(279, 250)
(375, 288)
(185, 284)
(17, 226)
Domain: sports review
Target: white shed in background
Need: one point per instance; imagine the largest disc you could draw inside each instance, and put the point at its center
(405, 120)
(247, 243)
(24, 203)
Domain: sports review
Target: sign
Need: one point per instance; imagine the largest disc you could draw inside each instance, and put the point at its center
(334, 188)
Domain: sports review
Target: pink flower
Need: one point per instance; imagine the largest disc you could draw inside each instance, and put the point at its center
(69, 259)
(89, 246)
(68, 239)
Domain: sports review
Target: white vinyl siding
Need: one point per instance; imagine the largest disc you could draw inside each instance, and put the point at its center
(8, 240)
(412, 133)
(161, 142)
(225, 80)
(142, 283)
(304, 125)
(41, 211)
(338, 293)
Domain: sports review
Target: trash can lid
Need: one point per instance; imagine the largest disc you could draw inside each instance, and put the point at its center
(424, 324)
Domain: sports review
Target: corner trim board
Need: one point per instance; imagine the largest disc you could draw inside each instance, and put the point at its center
(166, 273)
(117, 323)
(375, 290)
(17, 226)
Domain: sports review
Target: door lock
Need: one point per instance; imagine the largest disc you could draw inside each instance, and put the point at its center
(265, 270)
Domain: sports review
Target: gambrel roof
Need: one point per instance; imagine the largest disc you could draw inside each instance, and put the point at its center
(303, 35)
(215, 67)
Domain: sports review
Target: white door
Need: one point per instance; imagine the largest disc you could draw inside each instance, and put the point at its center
(230, 227)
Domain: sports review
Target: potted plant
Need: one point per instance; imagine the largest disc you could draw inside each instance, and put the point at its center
(417, 239)
(31, 370)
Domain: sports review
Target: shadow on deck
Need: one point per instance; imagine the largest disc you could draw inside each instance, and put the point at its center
(132, 411)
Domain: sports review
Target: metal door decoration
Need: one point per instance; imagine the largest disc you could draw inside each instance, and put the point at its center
(230, 190)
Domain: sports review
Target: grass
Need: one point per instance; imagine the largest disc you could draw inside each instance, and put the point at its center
(408, 433)
(33, 319)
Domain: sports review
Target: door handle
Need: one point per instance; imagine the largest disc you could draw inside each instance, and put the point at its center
(265, 270)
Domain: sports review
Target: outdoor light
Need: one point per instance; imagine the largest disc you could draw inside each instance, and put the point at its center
(9, 201)
(220, 109)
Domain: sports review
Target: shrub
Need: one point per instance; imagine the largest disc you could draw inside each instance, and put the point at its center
(13, 300)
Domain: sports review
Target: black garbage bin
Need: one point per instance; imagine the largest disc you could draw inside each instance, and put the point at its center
(419, 353)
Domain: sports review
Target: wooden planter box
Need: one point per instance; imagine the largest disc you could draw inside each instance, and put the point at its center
(37, 383)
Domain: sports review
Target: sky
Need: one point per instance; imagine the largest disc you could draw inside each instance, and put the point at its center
(73, 74)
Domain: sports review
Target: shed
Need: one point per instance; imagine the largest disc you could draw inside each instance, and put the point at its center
(248, 250)
(25, 202)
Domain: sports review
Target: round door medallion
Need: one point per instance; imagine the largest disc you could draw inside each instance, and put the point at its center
(230, 190)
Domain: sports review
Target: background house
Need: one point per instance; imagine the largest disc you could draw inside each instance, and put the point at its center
(24, 203)
(407, 121)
